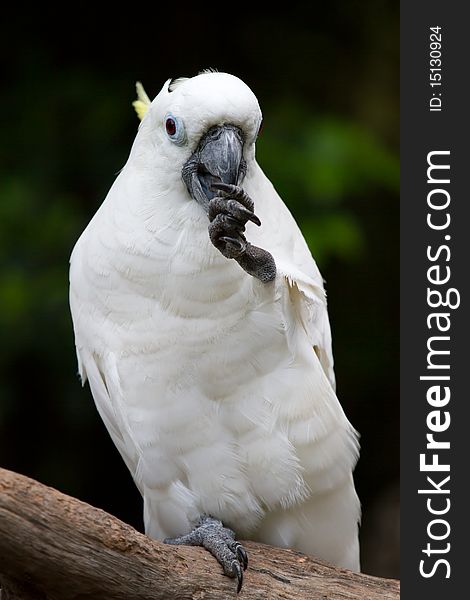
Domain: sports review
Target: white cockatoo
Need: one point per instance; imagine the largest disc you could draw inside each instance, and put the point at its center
(209, 358)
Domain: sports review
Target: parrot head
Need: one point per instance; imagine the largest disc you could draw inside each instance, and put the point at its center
(203, 129)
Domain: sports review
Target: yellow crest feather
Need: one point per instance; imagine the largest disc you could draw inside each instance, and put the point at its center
(141, 105)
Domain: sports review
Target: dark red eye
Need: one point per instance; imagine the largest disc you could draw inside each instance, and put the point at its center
(170, 126)
(261, 125)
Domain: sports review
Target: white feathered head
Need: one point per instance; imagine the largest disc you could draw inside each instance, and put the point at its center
(203, 128)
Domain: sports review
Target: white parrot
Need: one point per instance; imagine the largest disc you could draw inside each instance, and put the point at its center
(209, 358)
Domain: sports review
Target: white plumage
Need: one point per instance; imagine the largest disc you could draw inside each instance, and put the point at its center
(217, 389)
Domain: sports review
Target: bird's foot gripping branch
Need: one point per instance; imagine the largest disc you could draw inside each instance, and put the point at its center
(221, 543)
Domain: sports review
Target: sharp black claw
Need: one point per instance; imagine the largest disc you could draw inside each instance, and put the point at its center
(249, 215)
(232, 221)
(242, 556)
(244, 212)
(239, 575)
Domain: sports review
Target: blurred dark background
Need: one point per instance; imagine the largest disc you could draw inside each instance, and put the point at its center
(327, 82)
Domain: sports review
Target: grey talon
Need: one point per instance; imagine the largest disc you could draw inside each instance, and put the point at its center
(234, 191)
(231, 208)
(242, 556)
(220, 542)
(243, 212)
(238, 574)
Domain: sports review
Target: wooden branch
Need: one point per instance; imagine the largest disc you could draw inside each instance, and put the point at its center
(54, 547)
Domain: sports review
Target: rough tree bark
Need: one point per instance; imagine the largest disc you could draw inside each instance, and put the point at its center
(55, 547)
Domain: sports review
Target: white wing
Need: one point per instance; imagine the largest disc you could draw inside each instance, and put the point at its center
(99, 368)
(280, 234)
(325, 442)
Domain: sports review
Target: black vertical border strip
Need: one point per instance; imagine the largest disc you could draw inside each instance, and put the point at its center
(423, 131)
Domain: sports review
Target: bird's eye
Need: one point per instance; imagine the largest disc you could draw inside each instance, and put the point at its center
(260, 128)
(175, 129)
(170, 126)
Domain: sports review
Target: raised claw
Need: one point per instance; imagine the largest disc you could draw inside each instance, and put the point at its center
(242, 555)
(234, 191)
(228, 214)
(254, 219)
(238, 574)
(233, 222)
(232, 208)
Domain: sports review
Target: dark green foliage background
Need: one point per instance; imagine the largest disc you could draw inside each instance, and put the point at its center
(327, 82)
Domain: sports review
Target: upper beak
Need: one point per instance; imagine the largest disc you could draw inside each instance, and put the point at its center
(217, 159)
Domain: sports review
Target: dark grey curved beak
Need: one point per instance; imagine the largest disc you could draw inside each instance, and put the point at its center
(217, 159)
